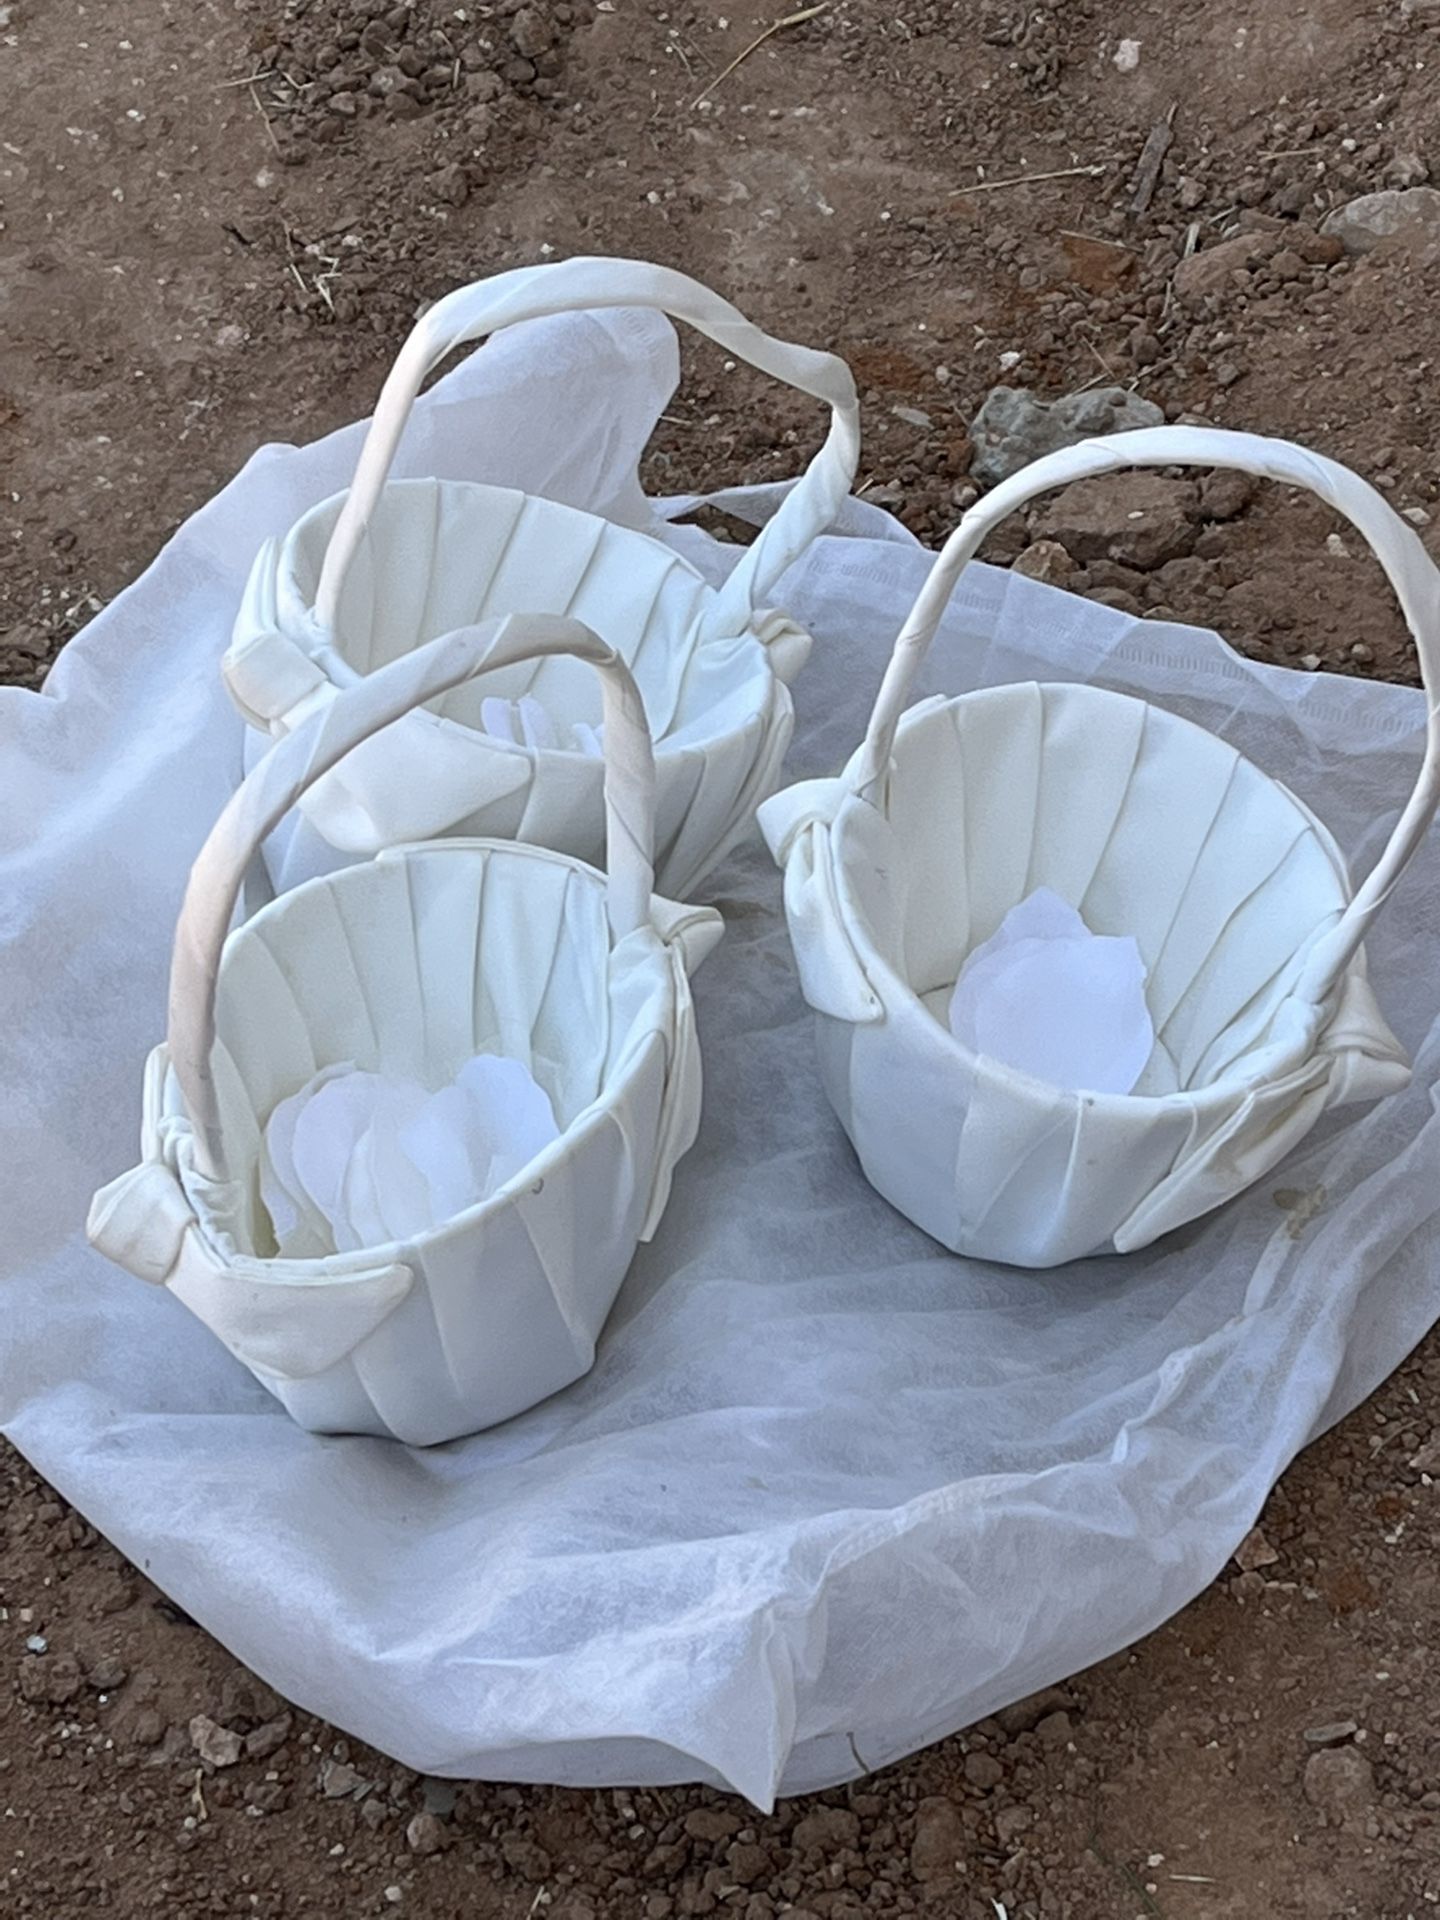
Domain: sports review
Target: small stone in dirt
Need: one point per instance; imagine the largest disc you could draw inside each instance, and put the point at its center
(1055, 1729)
(913, 416)
(526, 1857)
(711, 1824)
(1044, 560)
(1406, 219)
(1427, 1460)
(1254, 1552)
(748, 1863)
(374, 1813)
(56, 1679)
(425, 1834)
(1011, 1822)
(37, 1643)
(244, 1696)
(826, 1830)
(1340, 1784)
(1022, 1716)
(269, 1738)
(983, 1771)
(1225, 495)
(531, 33)
(337, 1781)
(1141, 520)
(1014, 426)
(106, 1672)
(216, 1744)
(1207, 275)
(939, 1843)
(439, 1796)
(1334, 1734)
(394, 1896)
(451, 185)
(148, 1729)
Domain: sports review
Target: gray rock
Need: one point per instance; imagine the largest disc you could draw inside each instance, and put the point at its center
(219, 1745)
(106, 1672)
(1405, 218)
(1014, 427)
(425, 1834)
(938, 1849)
(983, 1771)
(1340, 1785)
(1011, 1822)
(269, 1738)
(1334, 1734)
(337, 1781)
(531, 33)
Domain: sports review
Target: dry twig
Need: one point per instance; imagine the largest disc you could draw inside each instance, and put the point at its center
(776, 26)
(1024, 179)
(1152, 158)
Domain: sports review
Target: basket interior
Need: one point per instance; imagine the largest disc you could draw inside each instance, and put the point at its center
(1147, 824)
(442, 554)
(410, 965)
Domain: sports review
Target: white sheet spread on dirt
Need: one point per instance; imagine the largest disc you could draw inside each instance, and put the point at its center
(828, 1493)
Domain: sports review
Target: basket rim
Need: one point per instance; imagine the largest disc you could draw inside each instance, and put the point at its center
(747, 640)
(316, 1269)
(1219, 1094)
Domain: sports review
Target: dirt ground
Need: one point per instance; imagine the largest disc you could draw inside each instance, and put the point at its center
(217, 218)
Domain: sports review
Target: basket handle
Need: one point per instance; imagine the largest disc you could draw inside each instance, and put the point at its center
(527, 293)
(296, 762)
(1409, 568)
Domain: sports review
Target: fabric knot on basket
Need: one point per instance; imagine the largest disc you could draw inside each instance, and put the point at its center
(955, 813)
(409, 966)
(364, 578)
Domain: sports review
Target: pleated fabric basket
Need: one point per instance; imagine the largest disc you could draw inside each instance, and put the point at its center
(366, 577)
(951, 814)
(410, 965)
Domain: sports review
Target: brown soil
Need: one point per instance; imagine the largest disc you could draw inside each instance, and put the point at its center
(192, 262)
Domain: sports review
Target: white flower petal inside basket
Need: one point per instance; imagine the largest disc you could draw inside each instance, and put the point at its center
(365, 578)
(1250, 935)
(408, 967)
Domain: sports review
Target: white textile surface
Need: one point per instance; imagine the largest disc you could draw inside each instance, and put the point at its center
(828, 1493)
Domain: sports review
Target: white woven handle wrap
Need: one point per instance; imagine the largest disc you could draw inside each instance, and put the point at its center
(296, 762)
(471, 313)
(1409, 567)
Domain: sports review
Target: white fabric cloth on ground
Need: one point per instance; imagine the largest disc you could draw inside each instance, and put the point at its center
(828, 1493)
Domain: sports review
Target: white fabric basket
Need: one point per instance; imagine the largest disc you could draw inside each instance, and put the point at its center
(368, 575)
(409, 965)
(1239, 900)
